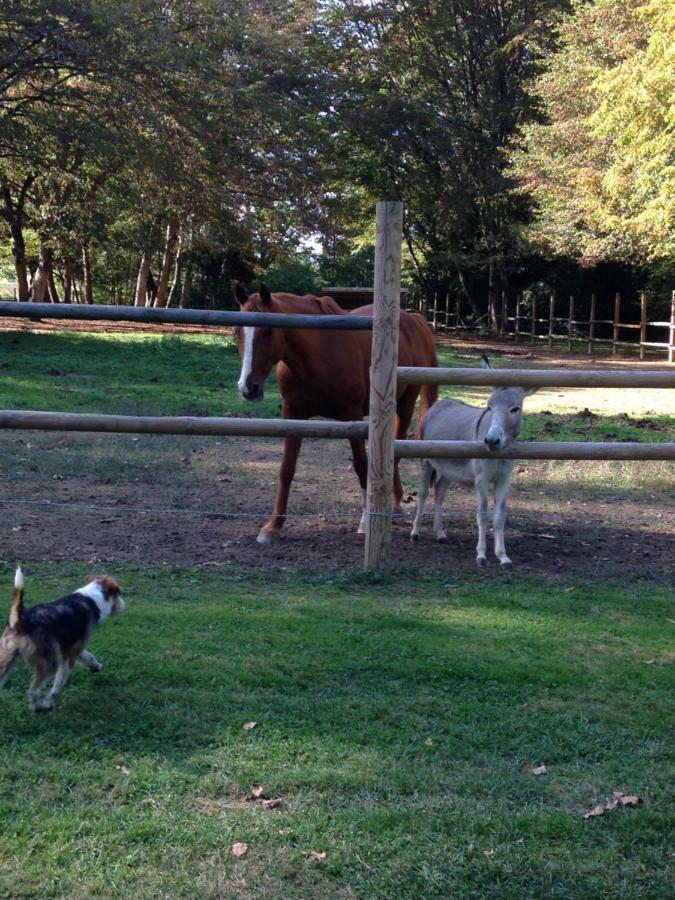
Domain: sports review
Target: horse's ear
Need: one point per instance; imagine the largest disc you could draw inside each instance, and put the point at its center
(265, 295)
(240, 294)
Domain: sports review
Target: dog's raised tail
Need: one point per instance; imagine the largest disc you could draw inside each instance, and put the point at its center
(16, 611)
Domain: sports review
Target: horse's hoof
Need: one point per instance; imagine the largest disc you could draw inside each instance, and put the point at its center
(506, 563)
(267, 537)
(480, 562)
(415, 538)
(442, 540)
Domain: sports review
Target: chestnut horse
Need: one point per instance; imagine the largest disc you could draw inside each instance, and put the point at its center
(325, 373)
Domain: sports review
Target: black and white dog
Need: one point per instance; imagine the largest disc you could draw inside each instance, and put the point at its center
(52, 637)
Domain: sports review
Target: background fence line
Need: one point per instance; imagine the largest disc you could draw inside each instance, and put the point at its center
(444, 314)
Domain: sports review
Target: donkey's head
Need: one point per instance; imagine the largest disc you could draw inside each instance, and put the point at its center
(505, 408)
(257, 345)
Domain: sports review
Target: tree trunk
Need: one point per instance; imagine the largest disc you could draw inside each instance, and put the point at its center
(40, 285)
(53, 292)
(86, 275)
(142, 281)
(186, 293)
(174, 293)
(170, 250)
(67, 281)
(19, 254)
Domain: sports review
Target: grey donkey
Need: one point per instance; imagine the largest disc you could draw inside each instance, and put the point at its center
(498, 424)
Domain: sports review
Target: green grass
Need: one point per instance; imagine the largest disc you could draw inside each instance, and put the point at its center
(395, 716)
(395, 719)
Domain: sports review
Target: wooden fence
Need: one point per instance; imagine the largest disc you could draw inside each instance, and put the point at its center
(537, 320)
(385, 375)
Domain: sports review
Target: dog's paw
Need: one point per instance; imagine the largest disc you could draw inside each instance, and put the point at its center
(95, 666)
(42, 706)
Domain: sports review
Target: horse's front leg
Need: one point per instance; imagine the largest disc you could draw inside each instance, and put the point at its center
(272, 529)
(360, 462)
(499, 518)
(481, 517)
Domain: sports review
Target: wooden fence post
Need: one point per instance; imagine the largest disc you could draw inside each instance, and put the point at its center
(458, 312)
(617, 319)
(551, 319)
(505, 303)
(643, 323)
(435, 312)
(383, 361)
(591, 324)
(533, 323)
(671, 331)
(570, 325)
(517, 322)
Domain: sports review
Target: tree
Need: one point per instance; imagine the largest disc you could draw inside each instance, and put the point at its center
(601, 167)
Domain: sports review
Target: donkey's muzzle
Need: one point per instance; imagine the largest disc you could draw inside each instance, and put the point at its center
(494, 443)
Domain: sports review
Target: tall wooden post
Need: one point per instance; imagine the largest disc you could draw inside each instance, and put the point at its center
(643, 323)
(517, 322)
(504, 314)
(591, 324)
(551, 319)
(383, 362)
(458, 312)
(570, 325)
(533, 323)
(434, 320)
(617, 320)
(671, 331)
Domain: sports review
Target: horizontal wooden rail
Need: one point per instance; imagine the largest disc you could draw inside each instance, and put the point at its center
(57, 421)
(94, 313)
(537, 377)
(534, 450)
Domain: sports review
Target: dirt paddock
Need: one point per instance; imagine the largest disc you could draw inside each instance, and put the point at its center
(103, 499)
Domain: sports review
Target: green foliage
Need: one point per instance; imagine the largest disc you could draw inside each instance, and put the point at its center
(602, 166)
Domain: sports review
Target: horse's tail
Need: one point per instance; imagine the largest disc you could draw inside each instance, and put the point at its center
(429, 392)
(16, 612)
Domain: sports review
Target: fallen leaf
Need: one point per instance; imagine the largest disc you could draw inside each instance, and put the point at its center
(549, 537)
(123, 770)
(531, 769)
(488, 853)
(619, 800)
(249, 726)
(429, 742)
(239, 849)
(257, 791)
(315, 854)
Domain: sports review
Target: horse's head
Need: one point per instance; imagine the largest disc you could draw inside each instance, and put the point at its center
(505, 406)
(258, 346)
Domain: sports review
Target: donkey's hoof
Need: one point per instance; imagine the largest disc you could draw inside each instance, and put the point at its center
(442, 540)
(480, 562)
(267, 537)
(415, 538)
(506, 564)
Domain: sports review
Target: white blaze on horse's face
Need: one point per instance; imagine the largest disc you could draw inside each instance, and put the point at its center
(506, 415)
(255, 349)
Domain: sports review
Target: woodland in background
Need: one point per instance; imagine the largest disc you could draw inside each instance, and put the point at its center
(150, 153)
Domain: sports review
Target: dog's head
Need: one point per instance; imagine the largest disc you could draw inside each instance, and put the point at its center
(111, 591)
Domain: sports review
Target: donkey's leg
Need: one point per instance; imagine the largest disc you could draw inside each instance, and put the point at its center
(270, 531)
(360, 461)
(481, 518)
(426, 471)
(440, 490)
(499, 517)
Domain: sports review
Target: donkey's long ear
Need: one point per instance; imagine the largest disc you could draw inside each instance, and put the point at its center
(530, 390)
(240, 294)
(265, 295)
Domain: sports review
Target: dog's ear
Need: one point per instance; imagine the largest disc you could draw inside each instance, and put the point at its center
(90, 578)
(110, 586)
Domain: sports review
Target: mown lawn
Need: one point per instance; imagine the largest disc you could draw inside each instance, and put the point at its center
(395, 719)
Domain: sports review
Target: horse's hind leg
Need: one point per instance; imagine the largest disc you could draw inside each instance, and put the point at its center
(270, 531)
(426, 472)
(360, 461)
(405, 407)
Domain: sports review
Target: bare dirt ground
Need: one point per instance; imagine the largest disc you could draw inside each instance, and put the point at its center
(200, 501)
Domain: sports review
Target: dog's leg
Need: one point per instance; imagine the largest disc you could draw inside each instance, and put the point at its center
(89, 661)
(8, 659)
(62, 675)
(42, 673)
